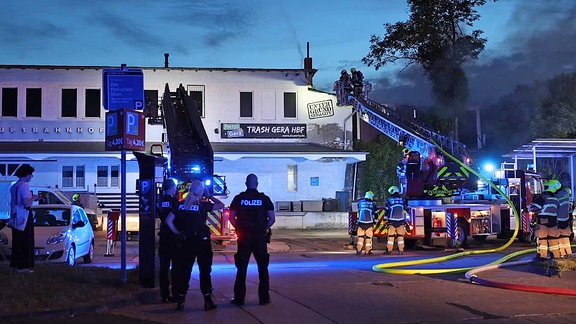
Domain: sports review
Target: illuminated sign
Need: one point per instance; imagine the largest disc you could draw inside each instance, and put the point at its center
(125, 130)
(123, 88)
(238, 130)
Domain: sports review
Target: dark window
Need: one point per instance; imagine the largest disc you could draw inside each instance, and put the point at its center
(92, 103)
(290, 104)
(151, 107)
(245, 104)
(197, 101)
(102, 176)
(34, 102)
(9, 102)
(67, 176)
(69, 102)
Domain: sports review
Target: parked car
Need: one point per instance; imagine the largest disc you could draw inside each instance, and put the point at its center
(62, 233)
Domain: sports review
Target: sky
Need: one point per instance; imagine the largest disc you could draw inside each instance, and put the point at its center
(527, 39)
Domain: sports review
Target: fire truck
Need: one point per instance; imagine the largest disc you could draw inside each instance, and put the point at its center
(190, 156)
(444, 201)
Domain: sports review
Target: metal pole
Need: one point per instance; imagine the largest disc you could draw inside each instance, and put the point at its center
(123, 216)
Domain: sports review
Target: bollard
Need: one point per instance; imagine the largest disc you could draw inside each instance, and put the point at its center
(111, 233)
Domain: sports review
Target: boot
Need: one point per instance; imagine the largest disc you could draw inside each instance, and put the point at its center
(208, 303)
(180, 302)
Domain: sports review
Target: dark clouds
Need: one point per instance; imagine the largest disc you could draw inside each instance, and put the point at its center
(539, 45)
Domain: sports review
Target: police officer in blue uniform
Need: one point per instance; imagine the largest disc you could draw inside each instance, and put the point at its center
(252, 215)
(188, 223)
(166, 246)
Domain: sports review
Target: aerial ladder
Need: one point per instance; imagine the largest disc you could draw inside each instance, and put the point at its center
(191, 157)
(433, 175)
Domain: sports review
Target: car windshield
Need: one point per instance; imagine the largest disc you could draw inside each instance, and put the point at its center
(51, 216)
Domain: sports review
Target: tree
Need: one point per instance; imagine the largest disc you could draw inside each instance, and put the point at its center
(435, 38)
(378, 172)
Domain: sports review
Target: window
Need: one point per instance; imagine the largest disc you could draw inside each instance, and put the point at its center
(102, 176)
(9, 102)
(292, 177)
(73, 174)
(114, 176)
(314, 181)
(8, 169)
(151, 100)
(34, 102)
(290, 104)
(245, 104)
(69, 103)
(196, 93)
(92, 103)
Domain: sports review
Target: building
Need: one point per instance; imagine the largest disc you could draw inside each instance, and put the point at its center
(271, 122)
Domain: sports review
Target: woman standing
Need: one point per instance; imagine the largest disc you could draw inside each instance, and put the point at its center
(188, 223)
(22, 221)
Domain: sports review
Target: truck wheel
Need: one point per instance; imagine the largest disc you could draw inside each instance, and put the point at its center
(460, 237)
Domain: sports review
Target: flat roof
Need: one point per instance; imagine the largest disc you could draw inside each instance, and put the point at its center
(544, 148)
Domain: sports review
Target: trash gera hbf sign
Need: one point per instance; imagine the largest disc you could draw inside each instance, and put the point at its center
(125, 130)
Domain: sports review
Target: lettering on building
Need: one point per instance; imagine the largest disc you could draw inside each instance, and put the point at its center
(320, 109)
(263, 130)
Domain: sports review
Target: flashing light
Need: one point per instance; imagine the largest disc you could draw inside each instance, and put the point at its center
(208, 182)
(467, 160)
(489, 167)
(195, 168)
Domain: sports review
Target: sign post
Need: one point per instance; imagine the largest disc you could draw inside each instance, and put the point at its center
(123, 96)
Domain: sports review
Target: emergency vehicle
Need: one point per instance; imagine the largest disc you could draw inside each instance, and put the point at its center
(445, 205)
(190, 157)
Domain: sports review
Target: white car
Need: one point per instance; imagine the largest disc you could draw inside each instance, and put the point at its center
(62, 233)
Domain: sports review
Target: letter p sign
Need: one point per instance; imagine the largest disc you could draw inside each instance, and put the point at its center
(138, 105)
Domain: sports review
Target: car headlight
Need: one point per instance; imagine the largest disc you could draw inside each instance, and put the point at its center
(56, 238)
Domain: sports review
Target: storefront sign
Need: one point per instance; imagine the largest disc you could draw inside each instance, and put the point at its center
(320, 109)
(229, 130)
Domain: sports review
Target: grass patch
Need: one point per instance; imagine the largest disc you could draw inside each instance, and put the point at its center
(555, 267)
(58, 286)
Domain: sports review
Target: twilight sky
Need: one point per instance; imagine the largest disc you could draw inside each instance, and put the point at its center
(527, 39)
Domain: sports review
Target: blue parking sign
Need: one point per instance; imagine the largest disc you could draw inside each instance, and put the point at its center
(123, 88)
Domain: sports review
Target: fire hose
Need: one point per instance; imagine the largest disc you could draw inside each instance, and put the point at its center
(472, 272)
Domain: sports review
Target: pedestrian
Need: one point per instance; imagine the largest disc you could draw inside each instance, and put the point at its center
(188, 223)
(564, 196)
(365, 223)
(546, 228)
(166, 241)
(21, 221)
(395, 214)
(252, 215)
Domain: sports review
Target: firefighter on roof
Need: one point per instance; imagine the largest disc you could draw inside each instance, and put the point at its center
(366, 212)
(395, 212)
(546, 229)
(564, 224)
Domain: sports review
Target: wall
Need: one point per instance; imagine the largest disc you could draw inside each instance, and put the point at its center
(311, 220)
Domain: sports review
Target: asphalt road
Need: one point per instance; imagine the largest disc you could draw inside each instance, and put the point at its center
(316, 279)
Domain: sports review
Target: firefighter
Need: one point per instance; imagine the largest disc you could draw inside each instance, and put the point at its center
(564, 225)
(401, 170)
(76, 200)
(357, 79)
(166, 241)
(395, 212)
(546, 230)
(188, 223)
(346, 82)
(365, 223)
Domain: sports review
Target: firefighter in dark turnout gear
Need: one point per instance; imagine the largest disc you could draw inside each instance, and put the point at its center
(365, 223)
(252, 215)
(188, 223)
(546, 229)
(166, 246)
(564, 196)
(395, 212)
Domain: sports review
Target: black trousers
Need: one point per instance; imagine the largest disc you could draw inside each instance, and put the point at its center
(187, 252)
(248, 245)
(23, 246)
(166, 251)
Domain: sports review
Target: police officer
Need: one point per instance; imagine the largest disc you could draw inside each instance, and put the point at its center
(564, 225)
(252, 215)
(166, 244)
(188, 223)
(395, 209)
(546, 229)
(365, 222)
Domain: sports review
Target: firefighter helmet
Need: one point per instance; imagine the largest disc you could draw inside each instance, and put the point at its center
(353, 70)
(552, 185)
(406, 151)
(392, 190)
(369, 195)
(75, 197)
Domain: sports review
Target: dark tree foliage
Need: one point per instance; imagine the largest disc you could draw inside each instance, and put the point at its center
(544, 109)
(378, 172)
(436, 39)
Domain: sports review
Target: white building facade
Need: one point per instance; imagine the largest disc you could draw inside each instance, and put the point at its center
(270, 122)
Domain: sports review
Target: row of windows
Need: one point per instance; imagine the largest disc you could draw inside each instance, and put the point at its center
(75, 176)
(92, 102)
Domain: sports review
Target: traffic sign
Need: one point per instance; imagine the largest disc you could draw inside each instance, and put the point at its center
(123, 88)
